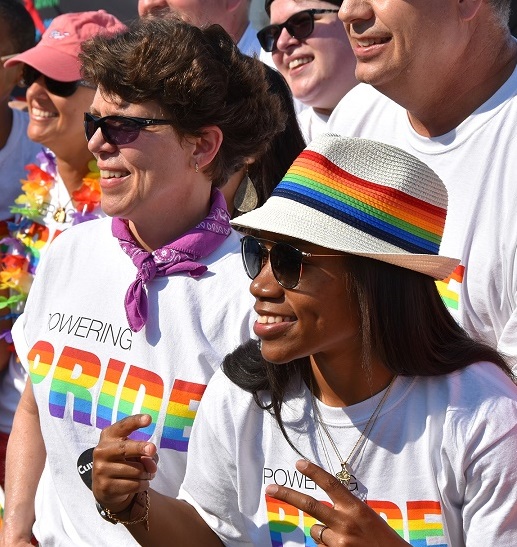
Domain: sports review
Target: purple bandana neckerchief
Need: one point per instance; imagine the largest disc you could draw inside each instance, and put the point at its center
(180, 255)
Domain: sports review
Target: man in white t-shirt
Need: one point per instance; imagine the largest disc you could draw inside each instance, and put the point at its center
(232, 16)
(444, 88)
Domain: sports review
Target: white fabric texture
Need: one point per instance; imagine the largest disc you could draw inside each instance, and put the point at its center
(18, 152)
(439, 463)
(89, 369)
(477, 161)
(312, 123)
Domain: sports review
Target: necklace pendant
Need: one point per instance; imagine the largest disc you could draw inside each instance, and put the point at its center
(344, 475)
(60, 215)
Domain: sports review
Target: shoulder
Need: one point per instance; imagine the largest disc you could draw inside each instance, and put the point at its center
(225, 399)
(479, 401)
(363, 102)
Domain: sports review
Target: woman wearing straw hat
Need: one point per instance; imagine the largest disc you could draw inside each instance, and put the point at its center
(406, 427)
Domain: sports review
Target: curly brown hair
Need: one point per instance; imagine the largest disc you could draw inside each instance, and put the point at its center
(199, 78)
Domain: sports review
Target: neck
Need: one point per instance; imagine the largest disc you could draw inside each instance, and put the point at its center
(152, 235)
(6, 124)
(73, 172)
(435, 112)
(345, 384)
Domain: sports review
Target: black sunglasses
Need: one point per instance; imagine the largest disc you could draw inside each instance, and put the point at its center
(118, 129)
(56, 87)
(286, 260)
(299, 26)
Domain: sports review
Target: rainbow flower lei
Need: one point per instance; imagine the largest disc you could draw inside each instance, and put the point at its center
(19, 252)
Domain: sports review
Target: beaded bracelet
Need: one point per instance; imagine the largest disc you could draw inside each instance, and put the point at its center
(136, 501)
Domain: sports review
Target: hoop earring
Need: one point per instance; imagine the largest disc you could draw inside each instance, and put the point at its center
(246, 197)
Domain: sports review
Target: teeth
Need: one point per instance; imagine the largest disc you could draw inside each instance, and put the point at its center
(371, 41)
(270, 319)
(112, 174)
(299, 62)
(42, 113)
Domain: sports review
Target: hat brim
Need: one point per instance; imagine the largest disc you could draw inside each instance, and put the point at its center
(289, 218)
(51, 62)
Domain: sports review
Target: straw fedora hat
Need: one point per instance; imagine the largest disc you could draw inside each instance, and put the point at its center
(361, 197)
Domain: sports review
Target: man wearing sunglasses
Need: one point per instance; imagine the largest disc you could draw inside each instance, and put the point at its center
(310, 48)
(233, 16)
(444, 87)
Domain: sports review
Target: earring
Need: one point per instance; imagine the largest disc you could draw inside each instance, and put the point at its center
(246, 197)
(197, 167)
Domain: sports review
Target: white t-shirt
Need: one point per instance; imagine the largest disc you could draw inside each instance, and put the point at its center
(89, 369)
(312, 123)
(439, 463)
(18, 152)
(477, 162)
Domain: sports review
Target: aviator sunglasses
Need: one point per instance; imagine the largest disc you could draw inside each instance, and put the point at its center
(56, 87)
(286, 260)
(299, 26)
(118, 129)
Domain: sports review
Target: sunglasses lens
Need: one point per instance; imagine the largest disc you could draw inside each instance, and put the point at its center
(300, 25)
(114, 130)
(30, 75)
(252, 256)
(268, 37)
(61, 89)
(89, 126)
(120, 131)
(286, 263)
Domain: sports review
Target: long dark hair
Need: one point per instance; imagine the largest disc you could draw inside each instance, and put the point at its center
(267, 171)
(404, 323)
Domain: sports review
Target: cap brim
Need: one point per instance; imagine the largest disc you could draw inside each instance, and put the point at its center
(51, 62)
(285, 217)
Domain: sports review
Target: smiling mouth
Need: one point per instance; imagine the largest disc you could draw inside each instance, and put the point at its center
(38, 113)
(299, 62)
(367, 42)
(270, 319)
(112, 174)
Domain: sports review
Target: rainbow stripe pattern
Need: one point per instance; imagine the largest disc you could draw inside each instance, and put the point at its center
(384, 212)
(75, 376)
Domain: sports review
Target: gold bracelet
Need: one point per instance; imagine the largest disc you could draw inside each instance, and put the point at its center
(137, 501)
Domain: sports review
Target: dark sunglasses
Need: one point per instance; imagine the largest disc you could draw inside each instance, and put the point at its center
(286, 260)
(299, 26)
(56, 87)
(118, 129)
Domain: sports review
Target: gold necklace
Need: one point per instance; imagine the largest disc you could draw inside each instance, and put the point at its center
(344, 476)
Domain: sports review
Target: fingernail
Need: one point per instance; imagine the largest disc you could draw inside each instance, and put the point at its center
(301, 465)
(147, 449)
(271, 489)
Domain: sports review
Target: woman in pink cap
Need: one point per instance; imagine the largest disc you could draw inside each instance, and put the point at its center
(62, 189)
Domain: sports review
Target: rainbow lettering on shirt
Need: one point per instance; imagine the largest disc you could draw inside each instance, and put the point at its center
(422, 527)
(450, 287)
(125, 389)
(181, 412)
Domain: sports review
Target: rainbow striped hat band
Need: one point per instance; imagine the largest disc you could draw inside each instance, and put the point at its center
(361, 197)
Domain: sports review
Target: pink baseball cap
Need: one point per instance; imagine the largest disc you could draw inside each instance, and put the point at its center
(56, 55)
